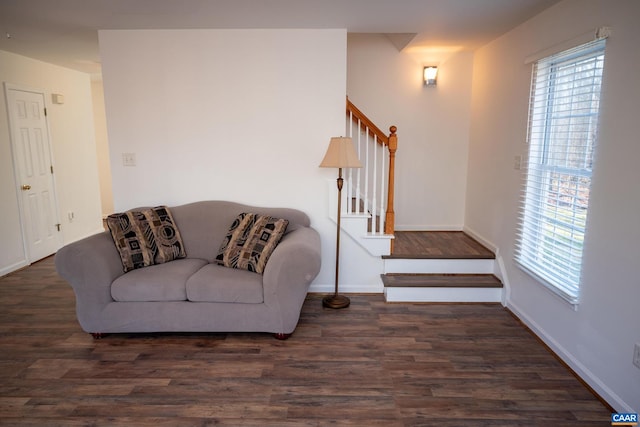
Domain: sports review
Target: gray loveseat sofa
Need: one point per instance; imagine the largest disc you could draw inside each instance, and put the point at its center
(194, 294)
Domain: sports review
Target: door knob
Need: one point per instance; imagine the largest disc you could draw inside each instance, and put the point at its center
(26, 187)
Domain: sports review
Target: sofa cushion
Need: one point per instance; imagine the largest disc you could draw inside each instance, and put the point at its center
(216, 283)
(204, 224)
(161, 282)
(168, 241)
(130, 232)
(250, 241)
(145, 237)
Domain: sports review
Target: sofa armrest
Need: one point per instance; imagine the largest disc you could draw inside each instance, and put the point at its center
(90, 266)
(291, 268)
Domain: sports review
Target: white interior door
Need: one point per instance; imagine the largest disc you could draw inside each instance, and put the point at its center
(34, 172)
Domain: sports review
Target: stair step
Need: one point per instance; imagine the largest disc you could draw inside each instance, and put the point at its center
(443, 295)
(413, 280)
(438, 245)
(447, 288)
(438, 266)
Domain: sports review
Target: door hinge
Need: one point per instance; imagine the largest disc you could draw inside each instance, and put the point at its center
(45, 111)
(51, 167)
(58, 226)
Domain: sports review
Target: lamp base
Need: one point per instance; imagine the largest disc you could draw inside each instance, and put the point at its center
(335, 301)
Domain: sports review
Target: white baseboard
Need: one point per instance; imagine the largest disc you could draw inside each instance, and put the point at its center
(500, 272)
(322, 288)
(489, 245)
(13, 267)
(582, 371)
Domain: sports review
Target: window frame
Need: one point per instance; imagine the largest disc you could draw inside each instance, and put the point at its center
(544, 249)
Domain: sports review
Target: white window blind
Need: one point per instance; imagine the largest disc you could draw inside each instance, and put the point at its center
(563, 129)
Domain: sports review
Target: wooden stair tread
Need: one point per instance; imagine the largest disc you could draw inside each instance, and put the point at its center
(438, 256)
(438, 245)
(430, 280)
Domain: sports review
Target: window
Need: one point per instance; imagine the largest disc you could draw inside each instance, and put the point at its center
(563, 130)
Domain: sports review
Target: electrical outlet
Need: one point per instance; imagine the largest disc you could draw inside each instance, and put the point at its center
(636, 355)
(517, 162)
(128, 159)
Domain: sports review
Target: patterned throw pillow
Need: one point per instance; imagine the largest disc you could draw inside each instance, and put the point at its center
(131, 234)
(168, 242)
(250, 241)
(146, 237)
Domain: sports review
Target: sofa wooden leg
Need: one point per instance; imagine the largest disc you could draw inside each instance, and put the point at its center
(281, 336)
(97, 335)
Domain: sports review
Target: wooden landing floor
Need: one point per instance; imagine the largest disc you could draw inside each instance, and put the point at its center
(372, 364)
(438, 244)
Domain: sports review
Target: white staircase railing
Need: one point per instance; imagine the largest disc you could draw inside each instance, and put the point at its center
(370, 189)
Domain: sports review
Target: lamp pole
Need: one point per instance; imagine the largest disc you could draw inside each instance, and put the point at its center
(335, 300)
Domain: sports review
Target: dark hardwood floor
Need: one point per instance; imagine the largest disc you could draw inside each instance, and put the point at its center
(372, 364)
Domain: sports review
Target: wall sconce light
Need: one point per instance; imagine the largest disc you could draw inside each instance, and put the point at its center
(430, 75)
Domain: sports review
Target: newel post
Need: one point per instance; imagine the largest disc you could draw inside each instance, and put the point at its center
(389, 225)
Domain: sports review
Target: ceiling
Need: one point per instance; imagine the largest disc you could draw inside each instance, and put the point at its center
(64, 32)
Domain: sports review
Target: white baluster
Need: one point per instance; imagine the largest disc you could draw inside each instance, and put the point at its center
(375, 184)
(382, 189)
(359, 172)
(366, 176)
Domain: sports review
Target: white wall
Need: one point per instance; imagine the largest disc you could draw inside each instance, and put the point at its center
(433, 127)
(102, 146)
(597, 340)
(73, 148)
(241, 115)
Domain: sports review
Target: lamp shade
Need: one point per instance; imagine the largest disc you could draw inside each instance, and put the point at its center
(341, 154)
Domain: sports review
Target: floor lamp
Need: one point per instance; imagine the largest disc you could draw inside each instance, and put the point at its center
(340, 154)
